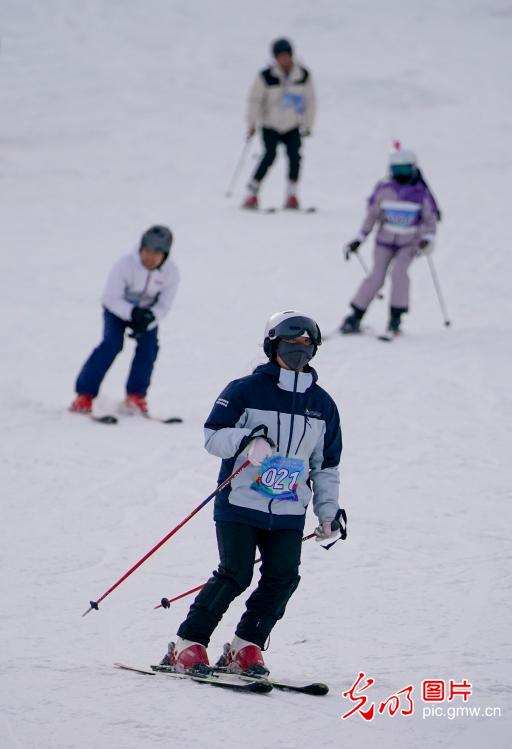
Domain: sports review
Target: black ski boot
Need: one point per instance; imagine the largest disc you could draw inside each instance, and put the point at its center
(395, 318)
(352, 323)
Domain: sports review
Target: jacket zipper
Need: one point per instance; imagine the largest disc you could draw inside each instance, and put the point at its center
(293, 413)
(306, 424)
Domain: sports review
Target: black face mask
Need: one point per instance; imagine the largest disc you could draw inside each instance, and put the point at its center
(295, 355)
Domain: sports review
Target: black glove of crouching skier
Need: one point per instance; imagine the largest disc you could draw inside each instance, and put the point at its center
(141, 318)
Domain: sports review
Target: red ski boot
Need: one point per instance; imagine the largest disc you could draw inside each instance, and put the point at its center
(251, 203)
(82, 404)
(135, 405)
(292, 204)
(185, 655)
(243, 657)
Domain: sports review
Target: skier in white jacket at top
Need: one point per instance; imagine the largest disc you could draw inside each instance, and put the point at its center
(139, 292)
(282, 103)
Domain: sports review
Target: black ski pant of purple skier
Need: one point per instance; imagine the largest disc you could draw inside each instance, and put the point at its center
(271, 139)
(280, 556)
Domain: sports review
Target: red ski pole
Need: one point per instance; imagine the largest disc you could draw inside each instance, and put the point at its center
(166, 602)
(95, 604)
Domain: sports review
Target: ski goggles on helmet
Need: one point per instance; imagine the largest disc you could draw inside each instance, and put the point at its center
(295, 327)
(402, 170)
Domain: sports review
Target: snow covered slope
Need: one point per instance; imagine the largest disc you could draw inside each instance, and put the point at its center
(117, 115)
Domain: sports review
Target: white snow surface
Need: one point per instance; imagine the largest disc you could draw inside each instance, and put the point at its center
(121, 114)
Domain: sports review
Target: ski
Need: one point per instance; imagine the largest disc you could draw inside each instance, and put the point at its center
(223, 681)
(110, 419)
(275, 209)
(336, 333)
(170, 420)
(313, 688)
(388, 336)
(107, 419)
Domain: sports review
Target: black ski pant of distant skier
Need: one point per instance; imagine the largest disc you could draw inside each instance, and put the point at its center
(271, 139)
(99, 362)
(280, 555)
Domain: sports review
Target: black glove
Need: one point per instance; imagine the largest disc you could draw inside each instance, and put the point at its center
(352, 247)
(141, 318)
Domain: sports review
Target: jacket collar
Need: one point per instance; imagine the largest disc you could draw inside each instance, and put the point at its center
(294, 74)
(285, 378)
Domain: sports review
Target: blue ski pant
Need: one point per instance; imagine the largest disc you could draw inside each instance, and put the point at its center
(99, 362)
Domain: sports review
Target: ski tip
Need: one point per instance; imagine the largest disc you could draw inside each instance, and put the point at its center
(108, 419)
(317, 689)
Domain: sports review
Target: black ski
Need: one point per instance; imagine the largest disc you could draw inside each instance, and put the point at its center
(223, 681)
(107, 419)
(170, 420)
(274, 209)
(110, 419)
(313, 688)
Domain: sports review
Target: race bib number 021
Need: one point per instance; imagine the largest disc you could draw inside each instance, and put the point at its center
(278, 478)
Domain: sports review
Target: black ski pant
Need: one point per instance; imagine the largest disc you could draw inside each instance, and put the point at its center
(271, 139)
(280, 555)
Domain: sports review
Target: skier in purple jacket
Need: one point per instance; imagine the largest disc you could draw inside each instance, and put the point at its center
(406, 215)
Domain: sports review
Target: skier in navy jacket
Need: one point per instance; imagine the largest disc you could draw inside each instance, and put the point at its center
(288, 427)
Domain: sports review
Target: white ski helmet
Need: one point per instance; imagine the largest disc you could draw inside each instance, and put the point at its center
(402, 157)
(289, 324)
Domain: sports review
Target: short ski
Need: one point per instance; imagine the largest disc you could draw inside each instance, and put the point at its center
(110, 419)
(275, 209)
(313, 688)
(389, 335)
(107, 419)
(223, 681)
(170, 420)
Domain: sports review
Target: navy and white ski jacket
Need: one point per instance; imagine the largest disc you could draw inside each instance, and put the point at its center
(303, 422)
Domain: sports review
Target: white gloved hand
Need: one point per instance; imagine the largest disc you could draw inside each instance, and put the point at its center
(258, 450)
(331, 528)
(323, 531)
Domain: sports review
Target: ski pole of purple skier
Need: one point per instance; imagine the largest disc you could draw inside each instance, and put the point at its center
(367, 271)
(166, 602)
(220, 487)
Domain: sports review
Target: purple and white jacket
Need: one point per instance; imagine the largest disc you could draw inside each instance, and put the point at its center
(404, 214)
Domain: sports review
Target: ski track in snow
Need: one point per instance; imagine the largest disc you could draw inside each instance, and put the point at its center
(116, 116)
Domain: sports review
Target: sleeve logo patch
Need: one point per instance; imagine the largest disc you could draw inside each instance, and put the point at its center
(222, 402)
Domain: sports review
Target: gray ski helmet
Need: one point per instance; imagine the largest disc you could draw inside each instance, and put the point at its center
(158, 238)
(289, 324)
(280, 46)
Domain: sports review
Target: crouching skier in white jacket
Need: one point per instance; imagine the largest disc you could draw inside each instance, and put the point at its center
(140, 290)
(289, 429)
